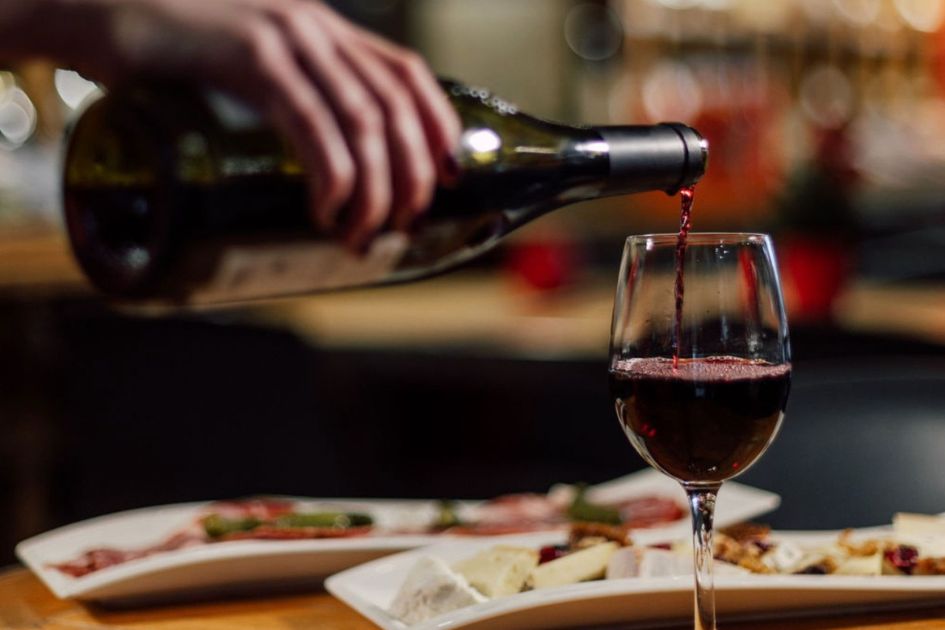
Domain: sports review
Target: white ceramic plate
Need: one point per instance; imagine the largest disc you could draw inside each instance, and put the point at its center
(370, 588)
(248, 565)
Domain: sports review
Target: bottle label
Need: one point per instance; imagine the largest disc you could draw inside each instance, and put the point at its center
(264, 270)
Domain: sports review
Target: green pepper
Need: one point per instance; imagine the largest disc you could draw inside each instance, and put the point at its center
(341, 520)
(447, 515)
(217, 526)
(583, 510)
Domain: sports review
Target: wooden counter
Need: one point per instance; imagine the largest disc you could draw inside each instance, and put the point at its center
(35, 261)
(25, 603)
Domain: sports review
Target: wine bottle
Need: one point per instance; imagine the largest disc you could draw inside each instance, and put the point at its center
(184, 195)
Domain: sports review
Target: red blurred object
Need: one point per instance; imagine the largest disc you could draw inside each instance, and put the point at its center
(545, 264)
(936, 54)
(650, 511)
(552, 552)
(815, 269)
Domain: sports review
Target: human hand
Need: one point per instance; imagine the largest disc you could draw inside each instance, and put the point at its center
(370, 125)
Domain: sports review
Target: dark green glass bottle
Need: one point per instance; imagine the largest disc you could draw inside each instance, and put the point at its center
(185, 196)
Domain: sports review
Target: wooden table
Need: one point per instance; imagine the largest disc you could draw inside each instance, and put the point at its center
(26, 603)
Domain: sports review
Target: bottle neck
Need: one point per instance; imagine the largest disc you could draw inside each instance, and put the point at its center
(666, 157)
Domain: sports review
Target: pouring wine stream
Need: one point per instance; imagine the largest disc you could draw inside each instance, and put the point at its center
(686, 196)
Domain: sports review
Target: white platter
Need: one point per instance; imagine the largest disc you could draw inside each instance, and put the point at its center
(629, 602)
(249, 565)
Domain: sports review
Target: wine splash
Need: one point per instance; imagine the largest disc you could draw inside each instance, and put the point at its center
(686, 196)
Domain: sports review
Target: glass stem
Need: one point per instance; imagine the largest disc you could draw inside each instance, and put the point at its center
(702, 504)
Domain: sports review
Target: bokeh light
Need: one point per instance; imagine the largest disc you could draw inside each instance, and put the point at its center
(593, 32)
(763, 16)
(922, 15)
(17, 117)
(677, 4)
(827, 97)
(671, 92)
(857, 12)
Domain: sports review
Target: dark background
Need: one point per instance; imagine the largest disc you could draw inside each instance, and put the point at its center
(103, 413)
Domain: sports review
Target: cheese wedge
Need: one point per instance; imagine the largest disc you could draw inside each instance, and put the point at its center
(498, 571)
(432, 589)
(587, 564)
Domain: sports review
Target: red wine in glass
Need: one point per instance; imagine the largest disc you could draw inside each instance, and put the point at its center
(701, 420)
(707, 414)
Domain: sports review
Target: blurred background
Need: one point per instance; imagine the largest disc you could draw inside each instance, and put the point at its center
(826, 120)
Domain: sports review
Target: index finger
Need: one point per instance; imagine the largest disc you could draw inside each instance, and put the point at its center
(441, 123)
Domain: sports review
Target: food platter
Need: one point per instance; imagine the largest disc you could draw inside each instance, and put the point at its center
(202, 570)
(250, 565)
(371, 588)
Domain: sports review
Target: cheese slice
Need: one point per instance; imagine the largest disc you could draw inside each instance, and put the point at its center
(648, 563)
(784, 557)
(906, 525)
(925, 533)
(665, 563)
(587, 564)
(861, 565)
(625, 563)
(432, 589)
(500, 570)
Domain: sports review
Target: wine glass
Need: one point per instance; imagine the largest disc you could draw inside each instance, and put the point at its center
(700, 382)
